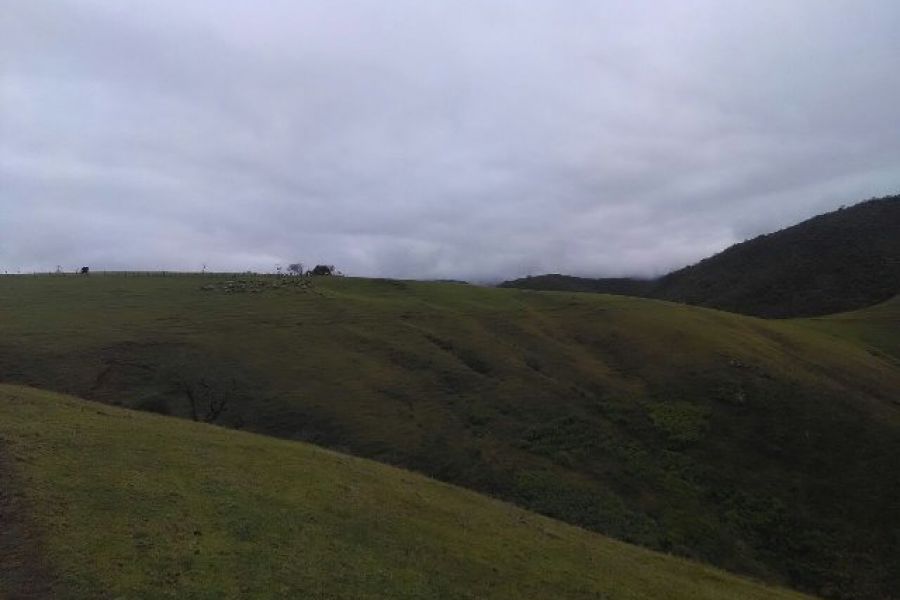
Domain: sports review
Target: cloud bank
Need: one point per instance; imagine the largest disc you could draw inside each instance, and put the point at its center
(470, 139)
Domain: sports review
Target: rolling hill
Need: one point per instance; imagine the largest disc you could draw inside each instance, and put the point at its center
(114, 503)
(874, 327)
(764, 447)
(839, 261)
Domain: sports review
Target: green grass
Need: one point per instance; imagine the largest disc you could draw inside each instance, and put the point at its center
(875, 328)
(136, 505)
(764, 447)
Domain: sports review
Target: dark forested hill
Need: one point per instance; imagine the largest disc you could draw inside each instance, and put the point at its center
(846, 259)
(839, 261)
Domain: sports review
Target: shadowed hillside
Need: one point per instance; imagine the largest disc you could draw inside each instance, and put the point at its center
(134, 505)
(767, 448)
(839, 261)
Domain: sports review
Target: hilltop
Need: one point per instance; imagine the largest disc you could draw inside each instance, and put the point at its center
(839, 261)
(125, 504)
(764, 447)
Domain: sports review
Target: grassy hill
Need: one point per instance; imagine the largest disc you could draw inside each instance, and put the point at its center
(874, 327)
(124, 504)
(839, 261)
(764, 447)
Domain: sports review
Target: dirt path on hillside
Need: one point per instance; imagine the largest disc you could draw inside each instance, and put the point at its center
(24, 574)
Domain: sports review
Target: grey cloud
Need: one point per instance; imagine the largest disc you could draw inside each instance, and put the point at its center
(441, 139)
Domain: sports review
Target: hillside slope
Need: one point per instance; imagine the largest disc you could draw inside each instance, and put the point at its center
(846, 259)
(839, 261)
(875, 328)
(765, 447)
(128, 504)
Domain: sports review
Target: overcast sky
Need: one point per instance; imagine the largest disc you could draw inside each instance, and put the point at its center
(479, 139)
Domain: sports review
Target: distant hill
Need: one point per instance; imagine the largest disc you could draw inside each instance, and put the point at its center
(838, 261)
(764, 447)
(133, 505)
(623, 286)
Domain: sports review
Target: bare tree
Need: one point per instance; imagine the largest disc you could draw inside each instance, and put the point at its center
(296, 268)
(207, 400)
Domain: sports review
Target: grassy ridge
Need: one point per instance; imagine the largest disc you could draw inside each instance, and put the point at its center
(136, 505)
(763, 447)
(874, 328)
